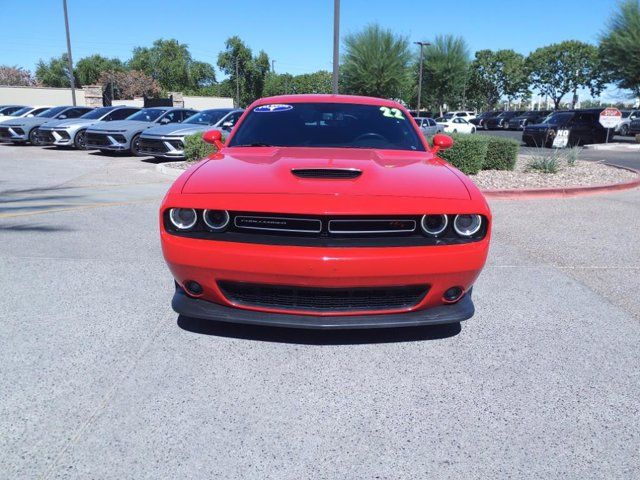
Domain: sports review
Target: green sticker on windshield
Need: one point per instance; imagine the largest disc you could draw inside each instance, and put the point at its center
(392, 113)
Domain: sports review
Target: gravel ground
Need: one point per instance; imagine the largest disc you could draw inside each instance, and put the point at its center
(580, 174)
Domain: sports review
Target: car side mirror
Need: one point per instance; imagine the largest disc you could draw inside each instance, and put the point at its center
(441, 142)
(62, 117)
(227, 124)
(214, 137)
(164, 120)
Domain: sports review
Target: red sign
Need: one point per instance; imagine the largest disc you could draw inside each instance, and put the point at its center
(610, 117)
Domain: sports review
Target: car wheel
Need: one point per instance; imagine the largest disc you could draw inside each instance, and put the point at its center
(32, 137)
(624, 130)
(473, 129)
(454, 131)
(485, 127)
(80, 141)
(135, 146)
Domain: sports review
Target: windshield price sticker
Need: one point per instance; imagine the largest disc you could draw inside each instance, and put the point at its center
(562, 139)
(392, 113)
(276, 107)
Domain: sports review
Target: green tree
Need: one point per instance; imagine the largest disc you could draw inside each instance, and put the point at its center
(375, 62)
(502, 73)
(55, 72)
(89, 69)
(481, 94)
(561, 68)
(620, 46)
(278, 84)
(445, 72)
(243, 70)
(169, 62)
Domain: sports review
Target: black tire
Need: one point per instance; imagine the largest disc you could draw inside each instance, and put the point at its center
(135, 147)
(624, 130)
(32, 137)
(485, 127)
(80, 141)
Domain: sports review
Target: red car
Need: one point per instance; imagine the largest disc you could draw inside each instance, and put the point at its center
(325, 211)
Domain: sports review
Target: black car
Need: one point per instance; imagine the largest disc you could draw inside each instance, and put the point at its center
(634, 127)
(479, 120)
(528, 118)
(500, 121)
(583, 125)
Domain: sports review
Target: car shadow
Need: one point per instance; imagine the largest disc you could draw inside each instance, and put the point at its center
(318, 337)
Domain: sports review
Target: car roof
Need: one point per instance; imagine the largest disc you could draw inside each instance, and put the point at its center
(327, 98)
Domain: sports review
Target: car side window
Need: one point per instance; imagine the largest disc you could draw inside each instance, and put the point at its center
(187, 113)
(171, 117)
(234, 118)
(462, 114)
(120, 114)
(76, 112)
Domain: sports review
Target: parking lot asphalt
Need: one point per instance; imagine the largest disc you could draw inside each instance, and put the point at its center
(628, 159)
(101, 379)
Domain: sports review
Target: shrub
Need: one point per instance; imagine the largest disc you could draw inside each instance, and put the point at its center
(572, 155)
(502, 153)
(195, 148)
(467, 154)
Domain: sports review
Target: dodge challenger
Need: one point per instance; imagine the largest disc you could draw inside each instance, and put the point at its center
(325, 211)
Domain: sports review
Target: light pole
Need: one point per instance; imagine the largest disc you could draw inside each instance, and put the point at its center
(336, 44)
(237, 85)
(273, 66)
(71, 79)
(422, 44)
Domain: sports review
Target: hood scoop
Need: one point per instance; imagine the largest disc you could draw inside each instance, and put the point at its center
(327, 173)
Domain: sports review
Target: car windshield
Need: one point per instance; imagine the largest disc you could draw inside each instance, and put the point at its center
(442, 120)
(97, 113)
(626, 114)
(52, 112)
(342, 125)
(558, 118)
(448, 115)
(147, 115)
(206, 117)
(22, 111)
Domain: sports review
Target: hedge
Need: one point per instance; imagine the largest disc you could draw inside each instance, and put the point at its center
(502, 153)
(467, 154)
(472, 153)
(195, 148)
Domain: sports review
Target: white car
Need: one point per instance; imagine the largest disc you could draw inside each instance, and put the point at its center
(456, 125)
(24, 112)
(466, 114)
(428, 126)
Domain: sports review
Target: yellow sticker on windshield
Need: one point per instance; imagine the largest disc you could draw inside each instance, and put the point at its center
(392, 113)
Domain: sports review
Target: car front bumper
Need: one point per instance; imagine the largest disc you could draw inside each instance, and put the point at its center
(437, 267)
(107, 141)
(198, 308)
(13, 134)
(162, 147)
(59, 137)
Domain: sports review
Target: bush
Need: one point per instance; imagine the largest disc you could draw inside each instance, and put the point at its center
(502, 153)
(195, 148)
(467, 154)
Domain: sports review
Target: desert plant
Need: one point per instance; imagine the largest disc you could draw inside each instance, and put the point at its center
(195, 148)
(467, 154)
(544, 162)
(571, 155)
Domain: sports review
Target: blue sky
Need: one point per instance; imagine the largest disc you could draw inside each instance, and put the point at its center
(296, 34)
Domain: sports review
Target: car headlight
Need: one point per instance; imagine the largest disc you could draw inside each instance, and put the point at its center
(183, 218)
(216, 220)
(467, 225)
(434, 224)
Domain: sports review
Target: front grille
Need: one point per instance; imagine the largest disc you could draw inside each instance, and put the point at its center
(152, 145)
(44, 136)
(330, 173)
(97, 139)
(285, 297)
(4, 132)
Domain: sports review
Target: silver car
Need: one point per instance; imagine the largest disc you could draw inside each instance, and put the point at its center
(22, 130)
(72, 133)
(428, 126)
(8, 110)
(167, 141)
(124, 136)
(627, 117)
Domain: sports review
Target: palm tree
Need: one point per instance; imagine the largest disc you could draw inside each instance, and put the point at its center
(620, 46)
(375, 62)
(446, 64)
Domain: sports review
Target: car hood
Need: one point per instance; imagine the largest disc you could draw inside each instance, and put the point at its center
(267, 170)
(77, 122)
(122, 125)
(178, 129)
(27, 121)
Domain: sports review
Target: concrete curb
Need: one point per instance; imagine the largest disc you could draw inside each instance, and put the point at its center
(564, 192)
(169, 169)
(614, 147)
